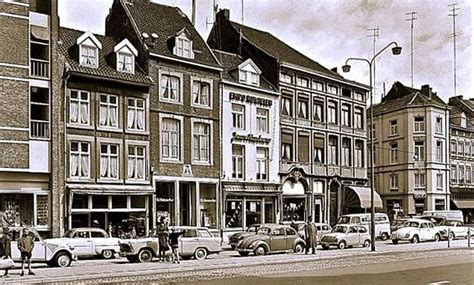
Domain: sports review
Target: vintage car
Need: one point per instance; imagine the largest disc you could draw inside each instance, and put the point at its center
(322, 229)
(343, 236)
(436, 220)
(397, 223)
(415, 230)
(45, 250)
(197, 242)
(90, 242)
(250, 231)
(453, 229)
(271, 238)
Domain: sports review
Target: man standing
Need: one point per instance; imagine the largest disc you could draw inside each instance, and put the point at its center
(26, 244)
(310, 236)
(6, 242)
(174, 241)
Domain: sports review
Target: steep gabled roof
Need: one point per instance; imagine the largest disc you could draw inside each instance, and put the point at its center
(280, 50)
(401, 96)
(107, 64)
(167, 22)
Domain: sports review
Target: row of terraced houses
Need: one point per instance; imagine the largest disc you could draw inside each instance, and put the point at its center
(151, 120)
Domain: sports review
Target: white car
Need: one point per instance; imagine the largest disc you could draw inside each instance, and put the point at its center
(90, 242)
(453, 229)
(343, 236)
(415, 230)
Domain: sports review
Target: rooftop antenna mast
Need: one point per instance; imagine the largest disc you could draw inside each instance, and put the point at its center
(454, 14)
(375, 36)
(411, 19)
(214, 13)
(242, 12)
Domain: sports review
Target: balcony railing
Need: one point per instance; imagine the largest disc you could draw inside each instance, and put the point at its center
(39, 68)
(39, 129)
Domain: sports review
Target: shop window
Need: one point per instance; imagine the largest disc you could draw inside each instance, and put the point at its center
(17, 209)
(100, 202)
(208, 205)
(165, 200)
(119, 202)
(269, 210)
(137, 201)
(80, 201)
(253, 213)
(233, 214)
(293, 209)
(42, 210)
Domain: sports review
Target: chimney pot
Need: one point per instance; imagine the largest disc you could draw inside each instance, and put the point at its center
(225, 13)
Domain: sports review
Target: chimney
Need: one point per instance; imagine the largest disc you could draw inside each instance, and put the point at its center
(334, 69)
(194, 12)
(426, 90)
(225, 13)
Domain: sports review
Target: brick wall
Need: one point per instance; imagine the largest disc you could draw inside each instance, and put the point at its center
(14, 155)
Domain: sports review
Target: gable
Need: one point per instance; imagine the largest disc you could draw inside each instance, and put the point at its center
(250, 66)
(126, 46)
(89, 39)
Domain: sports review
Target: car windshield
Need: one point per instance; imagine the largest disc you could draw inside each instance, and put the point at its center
(340, 229)
(447, 223)
(411, 224)
(252, 228)
(344, 220)
(397, 222)
(68, 234)
(263, 231)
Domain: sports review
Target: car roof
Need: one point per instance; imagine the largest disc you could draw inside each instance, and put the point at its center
(188, 228)
(418, 220)
(87, 229)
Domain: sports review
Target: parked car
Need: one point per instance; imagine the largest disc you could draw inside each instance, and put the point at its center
(453, 229)
(270, 239)
(250, 231)
(382, 223)
(436, 220)
(397, 223)
(343, 236)
(446, 214)
(322, 229)
(90, 242)
(45, 250)
(299, 225)
(415, 230)
(195, 241)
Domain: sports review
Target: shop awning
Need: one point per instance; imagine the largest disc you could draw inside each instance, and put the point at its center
(111, 189)
(363, 195)
(256, 189)
(464, 204)
(291, 188)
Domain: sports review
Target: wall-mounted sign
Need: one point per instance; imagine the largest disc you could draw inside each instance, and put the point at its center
(250, 99)
(250, 138)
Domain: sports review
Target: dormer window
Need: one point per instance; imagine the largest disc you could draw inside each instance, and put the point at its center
(89, 56)
(125, 53)
(249, 73)
(183, 45)
(89, 47)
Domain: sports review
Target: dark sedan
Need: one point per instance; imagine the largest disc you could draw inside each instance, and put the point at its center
(235, 238)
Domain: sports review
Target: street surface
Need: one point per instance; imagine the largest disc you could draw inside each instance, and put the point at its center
(389, 262)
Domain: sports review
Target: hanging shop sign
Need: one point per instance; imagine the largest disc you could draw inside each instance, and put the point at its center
(250, 99)
(250, 138)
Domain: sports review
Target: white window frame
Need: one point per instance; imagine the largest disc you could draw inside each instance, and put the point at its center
(359, 118)
(394, 153)
(333, 151)
(199, 161)
(439, 151)
(345, 115)
(108, 107)
(300, 80)
(201, 82)
(286, 78)
(454, 146)
(419, 126)
(454, 174)
(80, 153)
(263, 116)
(318, 107)
(84, 57)
(359, 154)
(346, 152)
(394, 128)
(333, 89)
(332, 110)
(460, 148)
(135, 109)
(394, 182)
(183, 47)
(135, 156)
(238, 162)
(108, 156)
(262, 161)
(168, 88)
(303, 107)
(439, 125)
(123, 65)
(180, 120)
(468, 174)
(439, 181)
(79, 101)
(420, 180)
(284, 99)
(419, 151)
(238, 116)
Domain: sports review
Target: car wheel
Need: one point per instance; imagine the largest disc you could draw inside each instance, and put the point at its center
(436, 237)
(260, 250)
(63, 260)
(107, 254)
(299, 247)
(325, 246)
(415, 239)
(200, 253)
(341, 244)
(132, 258)
(451, 236)
(244, 253)
(366, 243)
(145, 255)
(384, 236)
(395, 241)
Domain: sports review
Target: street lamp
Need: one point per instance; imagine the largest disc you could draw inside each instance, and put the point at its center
(396, 50)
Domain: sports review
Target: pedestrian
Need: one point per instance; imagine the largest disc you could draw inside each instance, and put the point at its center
(26, 244)
(293, 224)
(134, 232)
(310, 236)
(174, 241)
(6, 241)
(163, 235)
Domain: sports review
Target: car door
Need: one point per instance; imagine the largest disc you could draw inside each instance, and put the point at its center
(425, 233)
(277, 239)
(362, 234)
(291, 236)
(81, 240)
(39, 250)
(352, 236)
(207, 240)
(98, 241)
(189, 241)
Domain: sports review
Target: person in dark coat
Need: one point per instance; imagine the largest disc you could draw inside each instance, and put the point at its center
(26, 243)
(6, 241)
(310, 233)
(163, 235)
(174, 241)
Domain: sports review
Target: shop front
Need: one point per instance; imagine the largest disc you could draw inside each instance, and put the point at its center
(294, 200)
(117, 211)
(187, 203)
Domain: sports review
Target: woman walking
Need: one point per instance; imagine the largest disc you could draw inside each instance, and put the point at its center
(6, 241)
(163, 239)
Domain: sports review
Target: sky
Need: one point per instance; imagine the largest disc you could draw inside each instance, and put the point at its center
(330, 31)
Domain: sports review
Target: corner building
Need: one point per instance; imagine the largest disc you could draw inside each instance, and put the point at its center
(184, 109)
(322, 125)
(29, 41)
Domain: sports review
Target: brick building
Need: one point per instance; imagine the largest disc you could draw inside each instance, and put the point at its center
(184, 108)
(461, 122)
(250, 113)
(107, 134)
(411, 135)
(322, 125)
(29, 37)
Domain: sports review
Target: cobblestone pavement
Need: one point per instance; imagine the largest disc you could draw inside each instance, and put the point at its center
(229, 264)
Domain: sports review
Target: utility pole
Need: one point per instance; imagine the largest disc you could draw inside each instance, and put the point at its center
(375, 36)
(411, 19)
(214, 13)
(454, 14)
(242, 12)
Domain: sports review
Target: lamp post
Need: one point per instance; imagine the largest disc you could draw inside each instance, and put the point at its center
(396, 50)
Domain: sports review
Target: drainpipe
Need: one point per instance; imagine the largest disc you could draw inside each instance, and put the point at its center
(221, 196)
(66, 205)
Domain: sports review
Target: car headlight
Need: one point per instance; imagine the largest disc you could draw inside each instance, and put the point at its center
(407, 235)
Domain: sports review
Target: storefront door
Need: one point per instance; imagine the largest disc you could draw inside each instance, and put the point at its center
(187, 204)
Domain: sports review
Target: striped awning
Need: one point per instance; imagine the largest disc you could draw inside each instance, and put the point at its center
(363, 193)
(464, 204)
